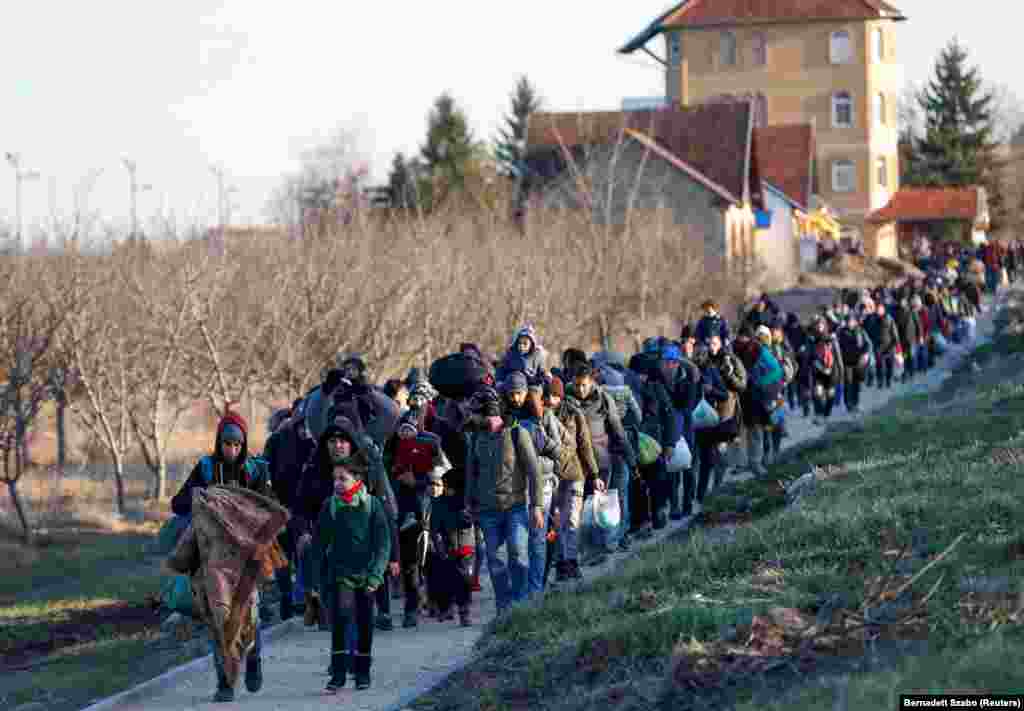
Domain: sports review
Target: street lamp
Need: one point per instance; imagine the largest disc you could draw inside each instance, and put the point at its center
(19, 175)
(135, 188)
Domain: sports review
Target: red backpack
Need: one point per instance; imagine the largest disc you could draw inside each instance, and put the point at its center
(824, 352)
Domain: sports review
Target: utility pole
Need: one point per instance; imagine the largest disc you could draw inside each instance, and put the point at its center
(133, 197)
(19, 175)
(223, 196)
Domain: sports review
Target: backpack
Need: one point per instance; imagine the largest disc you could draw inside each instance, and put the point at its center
(734, 373)
(823, 352)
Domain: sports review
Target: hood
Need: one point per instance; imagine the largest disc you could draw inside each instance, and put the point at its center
(347, 429)
(530, 332)
(232, 418)
(610, 377)
(611, 358)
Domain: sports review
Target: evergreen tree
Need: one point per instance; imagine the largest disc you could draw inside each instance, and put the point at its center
(400, 182)
(508, 149)
(957, 147)
(448, 151)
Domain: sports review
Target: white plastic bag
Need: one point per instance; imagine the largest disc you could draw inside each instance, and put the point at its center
(704, 416)
(682, 458)
(607, 513)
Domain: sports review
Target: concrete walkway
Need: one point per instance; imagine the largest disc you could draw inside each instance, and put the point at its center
(408, 663)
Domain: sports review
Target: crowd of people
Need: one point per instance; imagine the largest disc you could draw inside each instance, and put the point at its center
(403, 491)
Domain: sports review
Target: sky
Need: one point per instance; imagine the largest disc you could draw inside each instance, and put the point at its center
(247, 86)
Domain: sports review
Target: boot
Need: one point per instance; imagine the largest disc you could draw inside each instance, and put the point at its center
(411, 619)
(464, 617)
(224, 693)
(363, 663)
(561, 571)
(339, 672)
(573, 571)
(384, 623)
(253, 673)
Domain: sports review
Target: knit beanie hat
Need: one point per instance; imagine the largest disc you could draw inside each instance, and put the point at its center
(671, 352)
(516, 382)
(763, 333)
(408, 422)
(232, 419)
(481, 399)
(231, 433)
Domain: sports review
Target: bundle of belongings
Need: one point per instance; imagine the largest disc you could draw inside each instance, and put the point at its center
(228, 550)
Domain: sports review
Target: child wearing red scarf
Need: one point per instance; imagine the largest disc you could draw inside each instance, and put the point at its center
(355, 545)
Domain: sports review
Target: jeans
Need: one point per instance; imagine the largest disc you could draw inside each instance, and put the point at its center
(569, 501)
(921, 358)
(538, 540)
(509, 529)
(619, 480)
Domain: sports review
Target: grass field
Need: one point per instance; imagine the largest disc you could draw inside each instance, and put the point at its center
(910, 549)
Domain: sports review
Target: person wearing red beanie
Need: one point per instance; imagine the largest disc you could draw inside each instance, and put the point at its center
(229, 465)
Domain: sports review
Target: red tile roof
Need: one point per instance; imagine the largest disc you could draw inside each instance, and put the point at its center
(924, 204)
(725, 12)
(784, 156)
(711, 138)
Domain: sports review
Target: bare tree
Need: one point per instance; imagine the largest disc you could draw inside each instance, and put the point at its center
(163, 289)
(29, 320)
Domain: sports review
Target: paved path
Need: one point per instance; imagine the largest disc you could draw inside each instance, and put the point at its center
(407, 663)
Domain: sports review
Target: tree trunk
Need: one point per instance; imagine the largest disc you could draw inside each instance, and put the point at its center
(119, 483)
(19, 508)
(161, 477)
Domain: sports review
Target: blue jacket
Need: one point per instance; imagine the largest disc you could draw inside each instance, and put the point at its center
(709, 326)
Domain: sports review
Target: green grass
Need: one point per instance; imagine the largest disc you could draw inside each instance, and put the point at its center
(921, 465)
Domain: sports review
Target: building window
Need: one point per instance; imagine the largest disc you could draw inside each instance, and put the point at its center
(844, 176)
(760, 110)
(760, 42)
(675, 48)
(882, 170)
(878, 45)
(840, 48)
(842, 110)
(881, 109)
(727, 49)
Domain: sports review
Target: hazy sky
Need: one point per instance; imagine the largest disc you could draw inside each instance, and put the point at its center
(180, 86)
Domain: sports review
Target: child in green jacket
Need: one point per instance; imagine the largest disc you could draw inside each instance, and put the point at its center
(355, 544)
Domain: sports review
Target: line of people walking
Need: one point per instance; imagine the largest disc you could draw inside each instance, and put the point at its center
(406, 490)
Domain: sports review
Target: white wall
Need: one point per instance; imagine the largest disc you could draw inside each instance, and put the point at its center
(777, 246)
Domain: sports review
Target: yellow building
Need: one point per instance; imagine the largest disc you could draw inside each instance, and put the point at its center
(831, 63)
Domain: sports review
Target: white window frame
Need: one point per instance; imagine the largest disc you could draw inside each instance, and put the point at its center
(761, 109)
(727, 39)
(839, 100)
(838, 53)
(759, 47)
(840, 167)
(882, 171)
(881, 109)
(878, 45)
(675, 48)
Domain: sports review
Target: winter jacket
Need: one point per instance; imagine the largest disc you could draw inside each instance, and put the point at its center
(532, 364)
(286, 452)
(824, 362)
(883, 333)
(502, 470)
(606, 430)
(248, 472)
(854, 346)
(765, 382)
(355, 541)
(579, 460)
(317, 484)
(709, 326)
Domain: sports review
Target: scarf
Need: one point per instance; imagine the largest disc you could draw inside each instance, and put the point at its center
(349, 496)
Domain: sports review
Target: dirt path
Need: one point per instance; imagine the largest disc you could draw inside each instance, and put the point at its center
(408, 663)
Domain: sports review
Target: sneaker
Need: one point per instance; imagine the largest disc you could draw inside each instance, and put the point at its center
(625, 544)
(384, 623)
(224, 695)
(573, 571)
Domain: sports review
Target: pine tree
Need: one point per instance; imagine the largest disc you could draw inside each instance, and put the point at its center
(958, 147)
(449, 149)
(508, 146)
